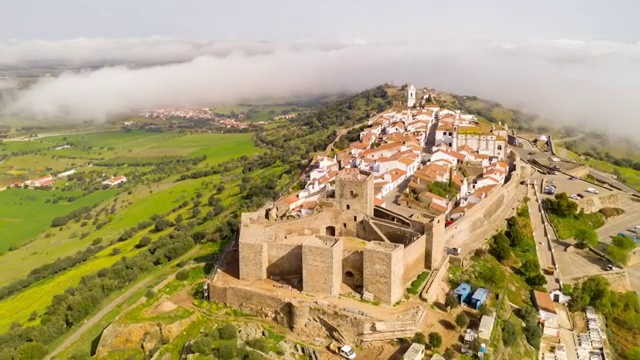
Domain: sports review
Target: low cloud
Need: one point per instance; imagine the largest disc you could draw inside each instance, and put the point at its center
(570, 81)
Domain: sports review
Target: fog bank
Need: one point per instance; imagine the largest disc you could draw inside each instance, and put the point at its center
(579, 82)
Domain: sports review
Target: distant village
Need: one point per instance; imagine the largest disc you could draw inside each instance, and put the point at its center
(196, 114)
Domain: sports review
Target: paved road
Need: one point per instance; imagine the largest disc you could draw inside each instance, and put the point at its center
(543, 247)
(606, 177)
(88, 324)
(569, 139)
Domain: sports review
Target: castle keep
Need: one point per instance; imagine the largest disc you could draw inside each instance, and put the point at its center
(347, 243)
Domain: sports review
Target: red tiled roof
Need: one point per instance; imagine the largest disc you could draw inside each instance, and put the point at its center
(290, 199)
(544, 302)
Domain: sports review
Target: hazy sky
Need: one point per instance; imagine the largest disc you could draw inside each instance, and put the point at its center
(326, 19)
(570, 61)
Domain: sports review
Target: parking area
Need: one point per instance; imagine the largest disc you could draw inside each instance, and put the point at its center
(563, 183)
(574, 263)
(622, 223)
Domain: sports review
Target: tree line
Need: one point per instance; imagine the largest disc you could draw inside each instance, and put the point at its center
(72, 306)
(50, 269)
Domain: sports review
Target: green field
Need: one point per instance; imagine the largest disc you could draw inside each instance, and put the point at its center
(24, 214)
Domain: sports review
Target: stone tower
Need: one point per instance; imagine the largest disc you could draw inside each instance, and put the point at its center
(434, 232)
(411, 96)
(354, 196)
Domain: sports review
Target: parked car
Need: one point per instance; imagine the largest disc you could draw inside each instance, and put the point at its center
(575, 197)
(581, 196)
(456, 251)
(592, 190)
(608, 267)
(573, 178)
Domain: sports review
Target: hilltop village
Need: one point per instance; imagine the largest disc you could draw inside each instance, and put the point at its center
(370, 220)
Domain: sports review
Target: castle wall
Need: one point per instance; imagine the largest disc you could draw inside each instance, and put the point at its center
(483, 220)
(352, 263)
(414, 259)
(322, 267)
(260, 304)
(253, 260)
(367, 231)
(383, 266)
(395, 234)
(284, 259)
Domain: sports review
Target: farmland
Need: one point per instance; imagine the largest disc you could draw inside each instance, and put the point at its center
(25, 214)
(28, 159)
(129, 209)
(37, 208)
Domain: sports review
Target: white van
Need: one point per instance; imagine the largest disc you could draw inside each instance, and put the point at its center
(347, 352)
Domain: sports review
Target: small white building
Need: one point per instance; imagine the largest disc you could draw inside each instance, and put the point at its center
(486, 327)
(115, 181)
(415, 352)
(559, 297)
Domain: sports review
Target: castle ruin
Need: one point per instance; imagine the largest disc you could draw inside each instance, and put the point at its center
(346, 243)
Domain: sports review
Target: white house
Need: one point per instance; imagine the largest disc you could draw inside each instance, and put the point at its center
(385, 150)
(115, 181)
(450, 156)
(395, 177)
(397, 127)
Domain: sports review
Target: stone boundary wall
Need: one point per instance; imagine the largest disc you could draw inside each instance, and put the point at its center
(430, 292)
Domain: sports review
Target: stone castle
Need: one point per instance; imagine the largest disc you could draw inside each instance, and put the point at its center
(346, 242)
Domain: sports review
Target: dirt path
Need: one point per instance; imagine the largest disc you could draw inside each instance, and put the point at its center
(88, 324)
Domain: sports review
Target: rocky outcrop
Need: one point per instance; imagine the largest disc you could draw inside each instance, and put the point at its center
(593, 203)
(146, 335)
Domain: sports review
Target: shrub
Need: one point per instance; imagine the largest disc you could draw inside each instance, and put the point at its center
(500, 247)
(462, 320)
(228, 332)
(509, 333)
(610, 212)
(182, 275)
(258, 344)
(419, 338)
(417, 283)
(449, 354)
(227, 350)
(143, 242)
(202, 345)
(150, 294)
(115, 251)
(435, 340)
(451, 301)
